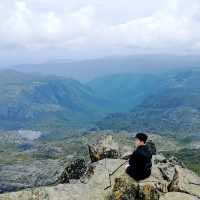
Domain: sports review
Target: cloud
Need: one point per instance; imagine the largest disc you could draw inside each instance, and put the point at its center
(176, 25)
(100, 25)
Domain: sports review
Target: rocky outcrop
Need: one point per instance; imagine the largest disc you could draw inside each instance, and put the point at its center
(126, 188)
(104, 178)
(73, 170)
(185, 181)
(90, 189)
(174, 183)
(23, 175)
(168, 176)
(105, 147)
(29, 174)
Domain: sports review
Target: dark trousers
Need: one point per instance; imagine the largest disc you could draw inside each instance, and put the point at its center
(136, 175)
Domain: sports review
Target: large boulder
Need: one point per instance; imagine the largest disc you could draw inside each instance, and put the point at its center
(105, 147)
(126, 188)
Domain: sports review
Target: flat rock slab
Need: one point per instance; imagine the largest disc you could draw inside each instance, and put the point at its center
(178, 196)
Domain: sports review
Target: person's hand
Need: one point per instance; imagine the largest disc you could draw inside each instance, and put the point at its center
(126, 166)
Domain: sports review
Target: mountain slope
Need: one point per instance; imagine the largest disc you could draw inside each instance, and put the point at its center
(125, 91)
(173, 106)
(43, 101)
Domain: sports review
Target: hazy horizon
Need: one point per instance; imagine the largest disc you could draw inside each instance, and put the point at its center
(89, 68)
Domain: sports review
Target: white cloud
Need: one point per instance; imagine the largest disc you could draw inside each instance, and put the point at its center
(94, 24)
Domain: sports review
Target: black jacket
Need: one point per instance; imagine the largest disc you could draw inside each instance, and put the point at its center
(140, 163)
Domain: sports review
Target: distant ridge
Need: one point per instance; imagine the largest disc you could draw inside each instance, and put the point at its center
(88, 69)
(173, 106)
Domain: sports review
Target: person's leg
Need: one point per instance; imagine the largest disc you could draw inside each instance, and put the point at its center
(128, 171)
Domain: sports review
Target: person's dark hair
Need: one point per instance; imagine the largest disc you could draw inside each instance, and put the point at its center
(142, 137)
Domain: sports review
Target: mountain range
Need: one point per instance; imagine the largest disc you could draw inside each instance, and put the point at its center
(33, 101)
(87, 69)
(29, 100)
(172, 106)
(166, 103)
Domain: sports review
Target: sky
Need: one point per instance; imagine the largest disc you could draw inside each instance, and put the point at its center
(39, 30)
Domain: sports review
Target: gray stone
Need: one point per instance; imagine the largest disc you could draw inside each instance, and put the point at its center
(105, 147)
(159, 159)
(185, 181)
(178, 196)
(73, 170)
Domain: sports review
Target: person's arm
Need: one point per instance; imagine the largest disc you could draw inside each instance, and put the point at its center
(132, 158)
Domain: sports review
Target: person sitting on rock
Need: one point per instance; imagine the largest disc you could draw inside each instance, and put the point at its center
(140, 164)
